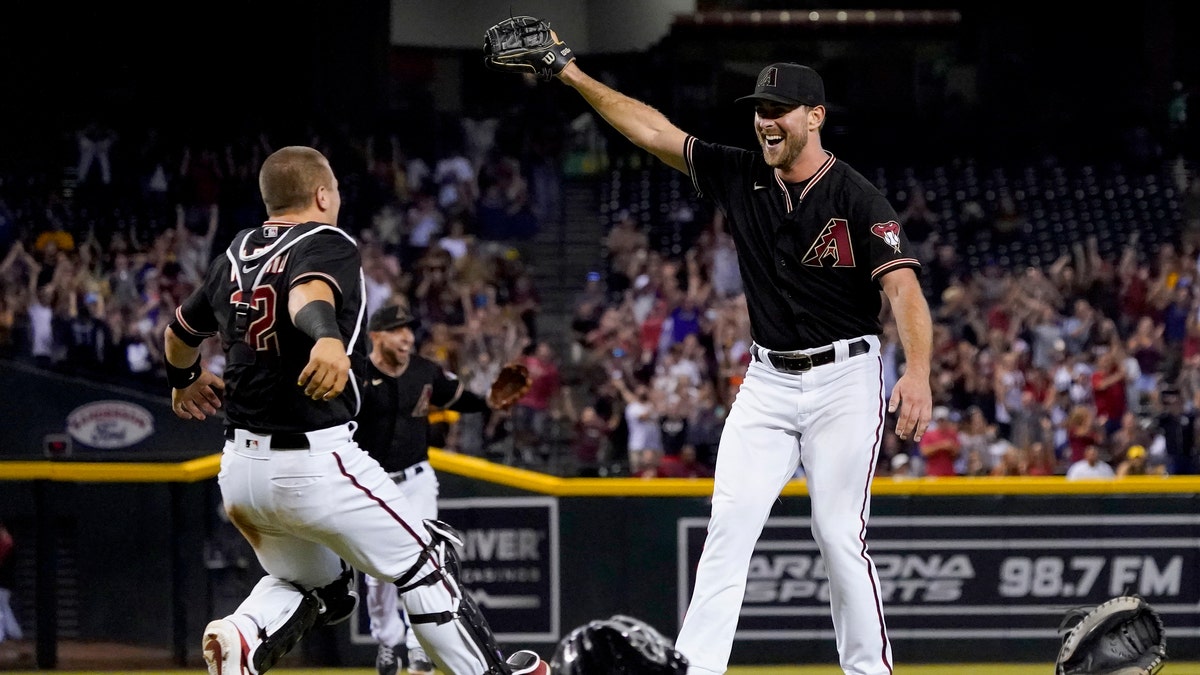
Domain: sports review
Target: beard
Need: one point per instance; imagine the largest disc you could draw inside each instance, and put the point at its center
(783, 155)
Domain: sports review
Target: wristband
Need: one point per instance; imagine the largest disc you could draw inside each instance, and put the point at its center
(318, 320)
(181, 378)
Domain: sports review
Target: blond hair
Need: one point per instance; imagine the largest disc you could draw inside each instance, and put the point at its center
(290, 176)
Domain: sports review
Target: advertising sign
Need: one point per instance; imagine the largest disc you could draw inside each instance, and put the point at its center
(951, 577)
(109, 425)
(510, 565)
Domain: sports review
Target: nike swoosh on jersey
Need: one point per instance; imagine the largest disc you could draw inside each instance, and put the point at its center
(759, 187)
(246, 269)
(376, 383)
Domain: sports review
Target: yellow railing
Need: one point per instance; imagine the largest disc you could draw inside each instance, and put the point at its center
(473, 467)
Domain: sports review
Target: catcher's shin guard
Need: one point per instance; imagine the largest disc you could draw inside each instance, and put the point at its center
(281, 640)
(441, 588)
(324, 606)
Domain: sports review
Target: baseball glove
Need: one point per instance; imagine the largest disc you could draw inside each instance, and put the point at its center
(511, 383)
(524, 44)
(1123, 636)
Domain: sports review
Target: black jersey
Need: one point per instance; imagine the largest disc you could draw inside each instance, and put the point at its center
(263, 396)
(394, 424)
(811, 254)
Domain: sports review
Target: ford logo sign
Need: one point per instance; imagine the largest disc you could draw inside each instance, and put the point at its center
(110, 424)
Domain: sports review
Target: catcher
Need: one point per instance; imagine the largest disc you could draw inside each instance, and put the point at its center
(1123, 636)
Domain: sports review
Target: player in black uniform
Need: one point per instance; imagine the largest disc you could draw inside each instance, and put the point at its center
(816, 243)
(398, 391)
(286, 299)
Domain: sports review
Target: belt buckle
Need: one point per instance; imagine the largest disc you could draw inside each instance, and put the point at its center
(806, 363)
(795, 363)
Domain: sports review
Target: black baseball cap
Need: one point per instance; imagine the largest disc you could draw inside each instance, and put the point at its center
(391, 317)
(789, 84)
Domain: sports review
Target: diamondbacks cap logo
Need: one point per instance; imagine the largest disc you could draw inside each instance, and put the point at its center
(889, 232)
(768, 77)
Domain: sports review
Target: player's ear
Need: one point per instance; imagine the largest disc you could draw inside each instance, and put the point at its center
(323, 197)
(816, 117)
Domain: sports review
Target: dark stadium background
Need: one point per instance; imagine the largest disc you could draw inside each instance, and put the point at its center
(1048, 74)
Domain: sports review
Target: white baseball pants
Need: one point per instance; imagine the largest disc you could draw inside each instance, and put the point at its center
(831, 419)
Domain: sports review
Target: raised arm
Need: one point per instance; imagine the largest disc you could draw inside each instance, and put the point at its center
(642, 124)
(525, 44)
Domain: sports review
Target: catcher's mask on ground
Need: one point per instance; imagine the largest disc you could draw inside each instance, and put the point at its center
(619, 645)
(1123, 636)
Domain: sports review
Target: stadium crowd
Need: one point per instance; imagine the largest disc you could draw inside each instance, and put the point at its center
(1086, 366)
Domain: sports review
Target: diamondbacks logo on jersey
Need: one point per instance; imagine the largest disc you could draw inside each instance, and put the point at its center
(421, 409)
(889, 232)
(833, 242)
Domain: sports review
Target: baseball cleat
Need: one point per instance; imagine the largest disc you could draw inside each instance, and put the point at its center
(418, 662)
(525, 662)
(387, 661)
(225, 650)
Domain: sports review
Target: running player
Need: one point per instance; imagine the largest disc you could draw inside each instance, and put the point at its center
(286, 299)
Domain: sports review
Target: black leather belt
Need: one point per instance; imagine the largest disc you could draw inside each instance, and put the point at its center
(402, 475)
(280, 441)
(799, 363)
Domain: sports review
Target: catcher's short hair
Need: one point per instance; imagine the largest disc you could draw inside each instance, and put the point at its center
(619, 645)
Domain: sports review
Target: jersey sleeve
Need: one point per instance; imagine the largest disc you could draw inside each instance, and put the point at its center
(449, 392)
(713, 168)
(888, 247)
(331, 256)
(195, 316)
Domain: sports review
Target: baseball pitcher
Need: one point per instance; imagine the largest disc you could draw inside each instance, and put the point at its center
(818, 245)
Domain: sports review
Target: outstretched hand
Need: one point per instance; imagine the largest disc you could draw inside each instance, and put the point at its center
(912, 399)
(327, 371)
(199, 399)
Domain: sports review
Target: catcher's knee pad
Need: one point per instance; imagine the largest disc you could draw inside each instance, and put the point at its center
(337, 599)
(619, 645)
(455, 606)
